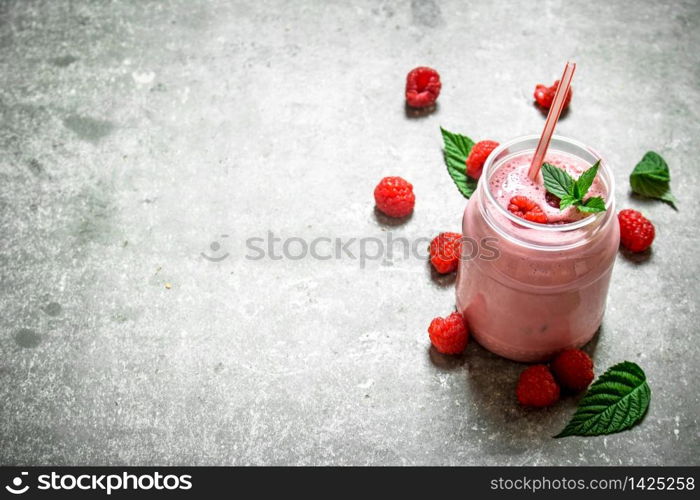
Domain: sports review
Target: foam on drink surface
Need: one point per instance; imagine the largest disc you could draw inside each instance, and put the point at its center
(511, 179)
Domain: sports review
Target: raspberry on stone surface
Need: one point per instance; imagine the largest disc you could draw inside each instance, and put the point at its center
(445, 250)
(422, 87)
(573, 369)
(477, 157)
(394, 197)
(636, 231)
(537, 387)
(544, 96)
(449, 335)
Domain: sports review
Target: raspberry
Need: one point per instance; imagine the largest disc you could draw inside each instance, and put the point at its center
(394, 196)
(636, 231)
(449, 335)
(552, 200)
(422, 87)
(573, 369)
(545, 95)
(525, 208)
(537, 387)
(477, 157)
(444, 252)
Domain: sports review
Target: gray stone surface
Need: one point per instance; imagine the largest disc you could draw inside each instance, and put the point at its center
(133, 135)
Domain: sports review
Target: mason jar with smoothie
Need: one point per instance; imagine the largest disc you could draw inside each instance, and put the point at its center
(546, 291)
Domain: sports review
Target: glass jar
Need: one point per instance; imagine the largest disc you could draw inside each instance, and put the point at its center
(544, 288)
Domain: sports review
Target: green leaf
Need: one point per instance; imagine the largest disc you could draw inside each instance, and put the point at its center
(652, 178)
(595, 204)
(652, 165)
(456, 150)
(557, 181)
(617, 401)
(585, 180)
(576, 192)
(566, 201)
(570, 192)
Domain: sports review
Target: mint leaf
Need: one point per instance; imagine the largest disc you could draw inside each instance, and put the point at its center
(566, 201)
(456, 150)
(652, 178)
(557, 181)
(617, 401)
(576, 190)
(585, 180)
(591, 205)
(570, 192)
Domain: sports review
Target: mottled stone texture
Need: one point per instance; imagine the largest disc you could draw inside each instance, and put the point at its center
(135, 135)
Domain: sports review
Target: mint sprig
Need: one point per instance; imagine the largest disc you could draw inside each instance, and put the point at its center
(572, 191)
(557, 181)
(456, 150)
(652, 178)
(615, 402)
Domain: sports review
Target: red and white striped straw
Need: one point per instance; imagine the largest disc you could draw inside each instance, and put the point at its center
(552, 119)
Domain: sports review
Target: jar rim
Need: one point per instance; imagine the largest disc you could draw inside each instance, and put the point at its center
(569, 226)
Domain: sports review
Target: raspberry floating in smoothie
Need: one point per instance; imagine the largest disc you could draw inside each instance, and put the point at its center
(552, 200)
(527, 209)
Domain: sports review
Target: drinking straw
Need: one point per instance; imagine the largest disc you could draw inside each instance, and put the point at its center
(552, 119)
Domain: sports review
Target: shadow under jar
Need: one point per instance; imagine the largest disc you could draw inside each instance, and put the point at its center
(546, 288)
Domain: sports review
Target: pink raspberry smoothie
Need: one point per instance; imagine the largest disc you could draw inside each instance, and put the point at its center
(511, 179)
